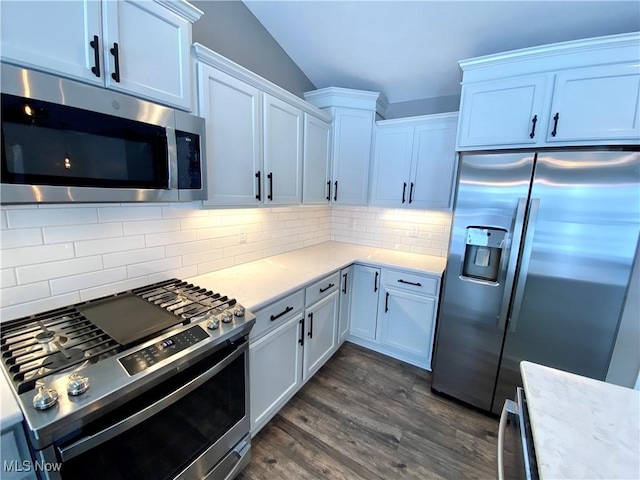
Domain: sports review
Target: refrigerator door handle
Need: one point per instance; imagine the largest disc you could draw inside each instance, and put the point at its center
(514, 250)
(524, 263)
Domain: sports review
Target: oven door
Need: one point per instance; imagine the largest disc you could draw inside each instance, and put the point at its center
(516, 456)
(193, 425)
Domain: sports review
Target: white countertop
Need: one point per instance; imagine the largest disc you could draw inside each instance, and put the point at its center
(258, 283)
(582, 428)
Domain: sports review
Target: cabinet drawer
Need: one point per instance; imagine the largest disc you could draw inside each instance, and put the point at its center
(322, 288)
(411, 282)
(277, 313)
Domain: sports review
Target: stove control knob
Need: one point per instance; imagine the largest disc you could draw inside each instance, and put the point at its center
(77, 384)
(227, 317)
(213, 324)
(45, 398)
(239, 311)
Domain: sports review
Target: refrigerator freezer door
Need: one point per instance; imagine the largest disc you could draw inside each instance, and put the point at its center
(491, 189)
(567, 304)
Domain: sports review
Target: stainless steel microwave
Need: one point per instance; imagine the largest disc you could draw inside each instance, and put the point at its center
(64, 141)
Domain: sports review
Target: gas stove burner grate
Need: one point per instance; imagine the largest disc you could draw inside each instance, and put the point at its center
(40, 345)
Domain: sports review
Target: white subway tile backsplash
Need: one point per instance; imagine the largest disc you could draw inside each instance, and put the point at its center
(81, 232)
(122, 214)
(201, 257)
(187, 248)
(151, 226)
(18, 257)
(184, 272)
(155, 266)
(25, 218)
(63, 268)
(21, 237)
(108, 245)
(24, 293)
(111, 288)
(207, 267)
(87, 280)
(8, 277)
(215, 232)
(155, 239)
(132, 256)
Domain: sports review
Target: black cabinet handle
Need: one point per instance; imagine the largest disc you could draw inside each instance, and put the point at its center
(310, 334)
(533, 126)
(259, 195)
(375, 283)
(386, 303)
(275, 317)
(95, 44)
(301, 339)
(322, 290)
(270, 177)
(329, 191)
(417, 284)
(411, 193)
(555, 124)
(404, 190)
(344, 285)
(116, 57)
(335, 191)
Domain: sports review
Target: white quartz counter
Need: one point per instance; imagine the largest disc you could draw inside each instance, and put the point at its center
(256, 284)
(582, 428)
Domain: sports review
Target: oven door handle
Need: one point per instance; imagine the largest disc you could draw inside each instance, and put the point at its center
(509, 407)
(73, 450)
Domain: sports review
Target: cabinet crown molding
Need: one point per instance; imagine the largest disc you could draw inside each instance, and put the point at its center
(553, 57)
(432, 118)
(183, 8)
(346, 97)
(206, 55)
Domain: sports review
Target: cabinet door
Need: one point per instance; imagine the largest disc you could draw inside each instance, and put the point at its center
(275, 371)
(282, 152)
(391, 165)
(351, 155)
(233, 113)
(502, 112)
(364, 302)
(433, 165)
(321, 325)
(599, 103)
(153, 46)
(316, 187)
(346, 279)
(407, 322)
(53, 36)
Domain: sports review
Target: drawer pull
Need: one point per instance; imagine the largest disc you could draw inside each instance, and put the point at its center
(322, 290)
(286, 310)
(415, 284)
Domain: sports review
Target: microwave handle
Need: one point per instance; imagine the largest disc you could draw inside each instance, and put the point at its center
(84, 444)
(172, 158)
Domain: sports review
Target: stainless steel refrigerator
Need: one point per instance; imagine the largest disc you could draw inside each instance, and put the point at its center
(540, 258)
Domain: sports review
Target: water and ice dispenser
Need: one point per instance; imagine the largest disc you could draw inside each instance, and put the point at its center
(483, 251)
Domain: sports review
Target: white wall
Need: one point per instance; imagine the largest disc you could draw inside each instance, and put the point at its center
(53, 255)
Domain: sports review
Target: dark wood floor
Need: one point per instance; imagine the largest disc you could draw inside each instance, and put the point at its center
(368, 416)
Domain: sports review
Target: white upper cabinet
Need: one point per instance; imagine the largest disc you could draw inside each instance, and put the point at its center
(584, 92)
(596, 103)
(414, 162)
(354, 113)
(233, 113)
(55, 37)
(502, 112)
(282, 152)
(136, 47)
(317, 161)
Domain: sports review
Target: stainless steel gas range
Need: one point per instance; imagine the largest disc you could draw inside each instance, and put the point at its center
(148, 383)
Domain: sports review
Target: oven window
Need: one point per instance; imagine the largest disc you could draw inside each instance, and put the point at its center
(162, 446)
(48, 144)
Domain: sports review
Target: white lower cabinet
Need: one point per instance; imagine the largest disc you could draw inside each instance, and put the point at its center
(397, 317)
(275, 363)
(346, 277)
(15, 452)
(321, 326)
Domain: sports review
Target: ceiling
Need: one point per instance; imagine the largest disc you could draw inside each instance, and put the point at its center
(409, 50)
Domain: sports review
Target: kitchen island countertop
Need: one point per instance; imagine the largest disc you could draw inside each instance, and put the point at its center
(582, 428)
(258, 283)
